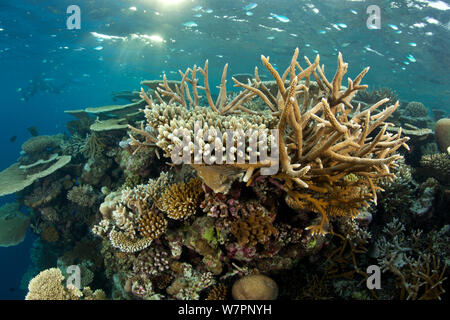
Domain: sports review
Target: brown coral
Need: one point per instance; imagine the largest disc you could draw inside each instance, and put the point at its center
(255, 287)
(151, 224)
(181, 200)
(217, 292)
(437, 166)
(254, 228)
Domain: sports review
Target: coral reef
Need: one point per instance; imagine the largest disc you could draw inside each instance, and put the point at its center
(280, 189)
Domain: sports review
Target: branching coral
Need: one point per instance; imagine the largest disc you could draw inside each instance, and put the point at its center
(253, 229)
(321, 138)
(82, 195)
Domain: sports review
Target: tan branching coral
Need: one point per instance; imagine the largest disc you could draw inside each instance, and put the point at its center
(181, 200)
(217, 292)
(151, 224)
(120, 241)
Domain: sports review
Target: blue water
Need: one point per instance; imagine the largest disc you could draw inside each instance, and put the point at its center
(119, 45)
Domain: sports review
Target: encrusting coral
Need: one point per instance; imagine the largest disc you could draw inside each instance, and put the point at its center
(322, 138)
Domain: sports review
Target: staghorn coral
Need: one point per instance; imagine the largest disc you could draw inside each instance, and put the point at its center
(376, 95)
(321, 138)
(181, 200)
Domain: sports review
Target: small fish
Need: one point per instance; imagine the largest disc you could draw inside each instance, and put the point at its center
(12, 139)
(353, 11)
(98, 48)
(208, 10)
(342, 25)
(198, 15)
(280, 17)
(412, 44)
(190, 24)
(197, 8)
(250, 6)
(33, 130)
(411, 58)
(249, 13)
